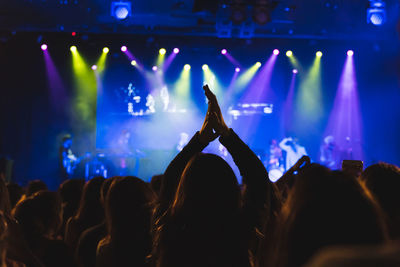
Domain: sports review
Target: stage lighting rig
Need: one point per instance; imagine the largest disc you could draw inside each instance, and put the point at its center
(238, 11)
(121, 9)
(376, 12)
(262, 11)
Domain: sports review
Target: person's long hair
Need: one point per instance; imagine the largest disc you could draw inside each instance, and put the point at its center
(90, 211)
(128, 217)
(204, 219)
(323, 208)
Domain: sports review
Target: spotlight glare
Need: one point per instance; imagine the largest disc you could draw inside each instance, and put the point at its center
(154, 68)
(350, 53)
(133, 63)
(73, 48)
(205, 67)
(258, 64)
(73, 33)
(289, 53)
(318, 54)
(295, 71)
(121, 9)
(276, 52)
(176, 50)
(94, 67)
(106, 50)
(123, 48)
(237, 69)
(43, 47)
(223, 51)
(162, 51)
(187, 67)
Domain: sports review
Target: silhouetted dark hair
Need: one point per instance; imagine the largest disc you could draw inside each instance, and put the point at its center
(128, 215)
(155, 183)
(35, 186)
(203, 224)
(90, 211)
(106, 186)
(383, 180)
(38, 215)
(15, 192)
(71, 193)
(5, 205)
(323, 208)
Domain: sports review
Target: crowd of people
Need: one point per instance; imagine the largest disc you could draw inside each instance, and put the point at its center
(196, 214)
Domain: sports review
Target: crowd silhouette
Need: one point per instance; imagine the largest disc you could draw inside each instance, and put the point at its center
(196, 214)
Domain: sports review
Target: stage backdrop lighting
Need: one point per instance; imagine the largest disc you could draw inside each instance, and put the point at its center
(154, 68)
(94, 67)
(187, 67)
(258, 64)
(289, 53)
(223, 51)
(295, 71)
(376, 13)
(276, 52)
(43, 47)
(205, 67)
(73, 48)
(318, 54)
(162, 51)
(237, 69)
(133, 62)
(123, 48)
(176, 50)
(106, 50)
(350, 53)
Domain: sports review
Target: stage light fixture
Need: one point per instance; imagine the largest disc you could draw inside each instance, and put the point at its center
(261, 12)
(133, 63)
(73, 33)
(289, 53)
(350, 53)
(237, 69)
(187, 67)
(121, 9)
(43, 47)
(223, 51)
(162, 51)
(376, 12)
(318, 54)
(276, 52)
(154, 68)
(205, 67)
(176, 50)
(106, 50)
(94, 67)
(73, 48)
(258, 64)
(123, 48)
(295, 71)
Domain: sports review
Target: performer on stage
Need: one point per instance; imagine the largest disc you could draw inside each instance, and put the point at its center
(294, 151)
(68, 161)
(274, 161)
(330, 153)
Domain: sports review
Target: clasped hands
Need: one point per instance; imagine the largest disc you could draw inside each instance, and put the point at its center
(214, 124)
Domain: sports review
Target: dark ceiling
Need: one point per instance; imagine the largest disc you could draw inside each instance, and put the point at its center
(307, 19)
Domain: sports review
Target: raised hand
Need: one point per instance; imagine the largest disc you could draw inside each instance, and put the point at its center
(207, 133)
(217, 119)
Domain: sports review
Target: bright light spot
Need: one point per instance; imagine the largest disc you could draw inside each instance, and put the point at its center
(205, 67)
(258, 64)
(350, 53)
(133, 63)
(237, 69)
(162, 51)
(154, 68)
(187, 67)
(94, 67)
(295, 71)
(123, 48)
(106, 50)
(176, 50)
(223, 51)
(318, 54)
(289, 53)
(43, 47)
(276, 52)
(73, 48)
